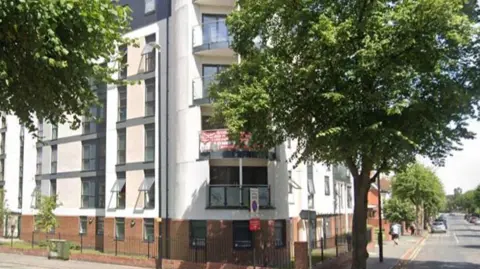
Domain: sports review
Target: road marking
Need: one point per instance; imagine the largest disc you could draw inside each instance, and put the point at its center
(456, 238)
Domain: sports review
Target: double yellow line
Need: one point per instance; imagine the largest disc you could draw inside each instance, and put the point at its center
(411, 253)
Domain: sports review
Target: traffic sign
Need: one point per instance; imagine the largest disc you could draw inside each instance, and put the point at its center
(254, 206)
(254, 224)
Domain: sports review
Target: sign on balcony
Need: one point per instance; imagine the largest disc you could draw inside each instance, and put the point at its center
(218, 140)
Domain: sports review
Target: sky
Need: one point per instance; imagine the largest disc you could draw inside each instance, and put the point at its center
(463, 168)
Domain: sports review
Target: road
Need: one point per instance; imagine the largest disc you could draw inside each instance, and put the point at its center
(459, 248)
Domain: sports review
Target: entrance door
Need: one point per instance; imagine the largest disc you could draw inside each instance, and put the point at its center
(99, 224)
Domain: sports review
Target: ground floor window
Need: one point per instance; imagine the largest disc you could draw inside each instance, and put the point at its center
(120, 229)
(280, 233)
(148, 230)
(83, 225)
(242, 236)
(198, 233)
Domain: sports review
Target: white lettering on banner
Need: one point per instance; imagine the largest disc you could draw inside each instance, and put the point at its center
(218, 140)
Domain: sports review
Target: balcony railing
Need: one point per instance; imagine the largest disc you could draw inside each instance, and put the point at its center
(236, 196)
(211, 35)
(200, 89)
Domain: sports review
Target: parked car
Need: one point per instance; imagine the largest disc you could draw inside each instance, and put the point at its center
(477, 222)
(438, 227)
(473, 219)
(467, 217)
(444, 220)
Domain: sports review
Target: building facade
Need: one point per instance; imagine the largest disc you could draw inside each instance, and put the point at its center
(153, 167)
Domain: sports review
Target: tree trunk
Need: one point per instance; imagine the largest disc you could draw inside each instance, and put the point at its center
(417, 217)
(359, 231)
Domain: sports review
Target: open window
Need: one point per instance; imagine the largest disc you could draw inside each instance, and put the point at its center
(148, 189)
(120, 191)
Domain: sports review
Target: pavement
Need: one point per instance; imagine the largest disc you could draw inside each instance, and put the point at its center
(393, 254)
(459, 248)
(13, 261)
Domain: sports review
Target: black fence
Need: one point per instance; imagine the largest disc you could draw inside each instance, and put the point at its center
(262, 252)
(331, 247)
(127, 246)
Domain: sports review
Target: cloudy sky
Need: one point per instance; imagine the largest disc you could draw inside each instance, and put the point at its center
(463, 168)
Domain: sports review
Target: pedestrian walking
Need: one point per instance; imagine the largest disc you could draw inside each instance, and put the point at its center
(412, 228)
(395, 232)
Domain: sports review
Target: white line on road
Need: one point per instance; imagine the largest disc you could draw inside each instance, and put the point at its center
(456, 238)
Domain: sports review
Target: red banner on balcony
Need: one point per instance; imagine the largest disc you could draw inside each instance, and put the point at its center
(218, 140)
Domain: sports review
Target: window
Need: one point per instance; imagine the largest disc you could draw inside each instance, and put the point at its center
(209, 124)
(90, 123)
(290, 185)
(310, 183)
(53, 187)
(148, 189)
(2, 170)
(89, 156)
(311, 203)
(37, 193)
(83, 225)
(121, 190)
(349, 196)
(53, 166)
(214, 29)
(149, 6)
(122, 103)
(280, 233)
(54, 131)
(88, 193)
(148, 230)
(2, 144)
(149, 53)
(198, 233)
(327, 185)
(149, 143)
(39, 161)
(150, 97)
(40, 128)
(289, 143)
(99, 224)
(123, 65)
(209, 72)
(242, 236)
(120, 229)
(102, 153)
(122, 146)
(101, 194)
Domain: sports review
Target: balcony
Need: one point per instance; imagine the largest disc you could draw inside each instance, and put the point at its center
(222, 3)
(212, 39)
(215, 144)
(200, 90)
(236, 196)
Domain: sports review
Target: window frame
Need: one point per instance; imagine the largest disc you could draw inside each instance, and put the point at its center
(53, 190)
(121, 153)
(149, 58)
(145, 230)
(147, 194)
(326, 185)
(91, 158)
(83, 219)
(54, 159)
(54, 132)
(149, 129)
(283, 233)
(83, 195)
(122, 176)
(122, 109)
(123, 73)
(150, 104)
(150, 11)
(39, 160)
(243, 226)
(117, 222)
(193, 238)
(349, 197)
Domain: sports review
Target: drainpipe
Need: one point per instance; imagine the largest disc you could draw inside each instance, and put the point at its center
(167, 224)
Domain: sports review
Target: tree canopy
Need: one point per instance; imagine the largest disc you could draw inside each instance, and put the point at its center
(370, 84)
(397, 211)
(50, 51)
(46, 220)
(421, 186)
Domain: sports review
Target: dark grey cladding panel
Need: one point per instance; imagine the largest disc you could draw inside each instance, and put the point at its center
(69, 139)
(139, 18)
(134, 166)
(71, 175)
(135, 121)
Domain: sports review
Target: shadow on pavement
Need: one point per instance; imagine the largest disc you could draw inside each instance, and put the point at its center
(436, 265)
(468, 235)
(472, 246)
(461, 230)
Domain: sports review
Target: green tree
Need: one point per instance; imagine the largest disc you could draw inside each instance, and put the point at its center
(397, 210)
(46, 220)
(419, 185)
(369, 84)
(476, 197)
(3, 209)
(51, 50)
(467, 201)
